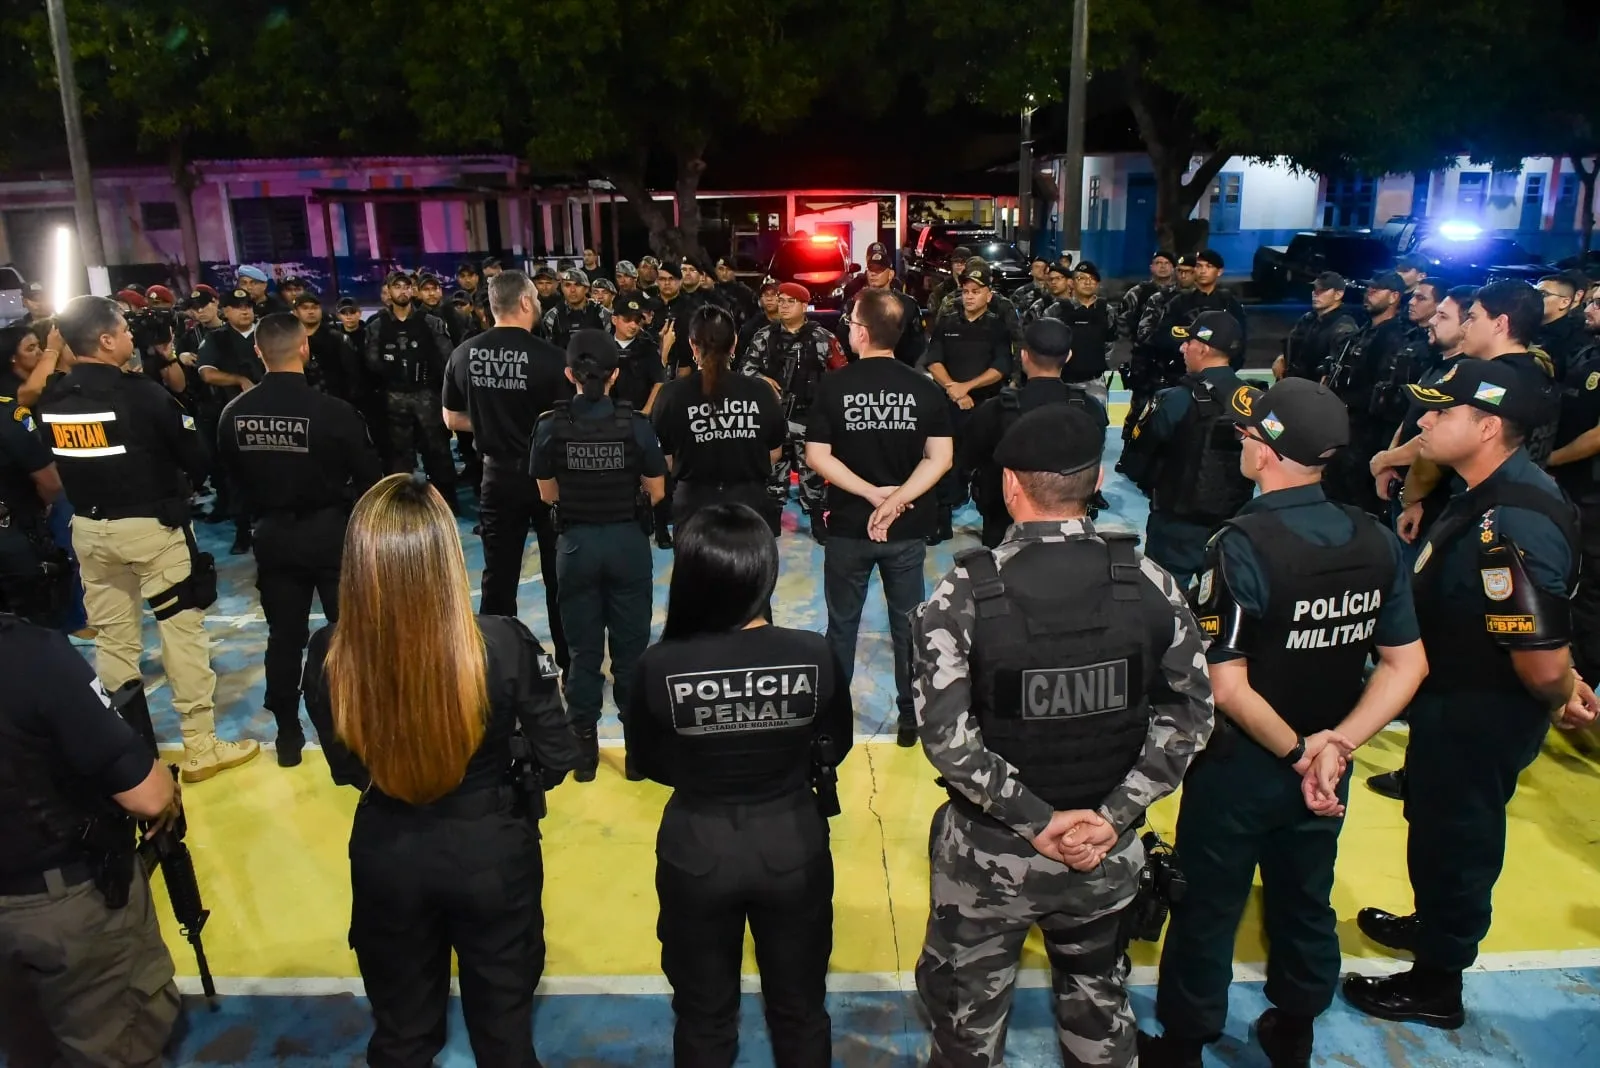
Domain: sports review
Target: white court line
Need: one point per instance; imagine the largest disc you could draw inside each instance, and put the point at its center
(874, 982)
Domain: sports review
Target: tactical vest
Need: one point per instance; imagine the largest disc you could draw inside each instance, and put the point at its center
(1199, 478)
(402, 361)
(1462, 655)
(1064, 650)
(1541, 439)
(987, 489)
(106, 466)
(1580, 413)
(597, 465)
(1309, 649)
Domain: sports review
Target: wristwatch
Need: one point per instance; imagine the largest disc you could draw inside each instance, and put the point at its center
(1292, 757)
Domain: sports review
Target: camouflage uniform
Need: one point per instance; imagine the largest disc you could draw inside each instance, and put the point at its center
(989, 885)
(796, 361)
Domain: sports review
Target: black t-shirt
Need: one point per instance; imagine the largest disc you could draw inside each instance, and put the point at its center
(521, 681)
(504, 379)
(639, 369)
(732, 716)
(726, 438)
(877, 414)
(232, 353)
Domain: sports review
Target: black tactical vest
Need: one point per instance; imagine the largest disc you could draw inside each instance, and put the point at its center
(1580, 413)
(1309, 649)
(107, 466)
(403, 360)
(1199, 478)
(1065, 649)
(987, 490)
(597, 465)
(1462, 655)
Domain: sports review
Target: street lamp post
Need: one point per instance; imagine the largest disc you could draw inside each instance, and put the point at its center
(1072, 181)
(1025, 183)
(94, 253)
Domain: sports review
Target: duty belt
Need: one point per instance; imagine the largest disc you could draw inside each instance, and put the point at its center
(25, 884)
(120, 511)
(472, 805)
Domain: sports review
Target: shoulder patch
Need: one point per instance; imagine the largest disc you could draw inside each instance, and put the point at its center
(547, 666)
(1207, 582)
(1593, 381)
(188, 422)
(20, 413)
(1496, 583)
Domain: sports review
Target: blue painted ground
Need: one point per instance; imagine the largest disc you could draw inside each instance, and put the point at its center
(1538, 1019)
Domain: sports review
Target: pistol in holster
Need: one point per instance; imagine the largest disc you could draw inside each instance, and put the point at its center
(527, 775)
(825, 775)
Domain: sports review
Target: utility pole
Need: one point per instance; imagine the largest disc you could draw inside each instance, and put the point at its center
(1025, 183)
(93, 249)
(1072, 181)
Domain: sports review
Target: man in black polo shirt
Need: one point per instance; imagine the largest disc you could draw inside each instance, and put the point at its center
(496, 385)
(229, 365)
(880, 434)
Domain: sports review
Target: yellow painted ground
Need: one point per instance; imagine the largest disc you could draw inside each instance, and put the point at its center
(269, 845)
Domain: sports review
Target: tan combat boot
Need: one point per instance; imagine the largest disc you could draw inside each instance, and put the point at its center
(204, 754)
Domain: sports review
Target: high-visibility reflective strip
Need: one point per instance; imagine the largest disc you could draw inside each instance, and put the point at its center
(78, 417)
(113, 450)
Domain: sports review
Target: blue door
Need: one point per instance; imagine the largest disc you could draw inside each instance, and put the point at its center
(1532, 203)
(1139, 228)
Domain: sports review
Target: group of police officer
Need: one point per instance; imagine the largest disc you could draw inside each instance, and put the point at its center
(1081, 662)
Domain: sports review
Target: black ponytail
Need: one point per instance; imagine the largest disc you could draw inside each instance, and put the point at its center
(712, 332)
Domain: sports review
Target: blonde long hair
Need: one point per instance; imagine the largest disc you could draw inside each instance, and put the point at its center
(406, 667)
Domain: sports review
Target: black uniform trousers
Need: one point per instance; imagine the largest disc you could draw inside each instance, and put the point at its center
(1586, 601)
(717, 866)
(1243, 809)
(416, 425)
(1465, 753)
(508, 505)
(422, 885)
(297, 556)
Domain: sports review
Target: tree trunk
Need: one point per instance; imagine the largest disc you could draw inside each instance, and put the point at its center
(629, 181)
(686, 189)
(1587, 175)
(1170, 143)
(183, 179)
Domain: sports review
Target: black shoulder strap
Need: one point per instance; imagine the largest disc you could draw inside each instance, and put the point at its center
(988, 589)
(624, 415)
(1125, 571)
(1010, 400)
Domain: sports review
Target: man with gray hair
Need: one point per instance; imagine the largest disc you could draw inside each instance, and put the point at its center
(496, 385)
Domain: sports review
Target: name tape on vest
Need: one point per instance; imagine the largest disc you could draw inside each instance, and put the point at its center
(273, 433)
(81, 435)
(1069, 693)
(762, 699)
(596, 456)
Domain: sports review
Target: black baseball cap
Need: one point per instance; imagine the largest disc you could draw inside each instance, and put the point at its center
(1089, 269)
(236, 298)
(33, 289)
(545, 272)
(292, 280)
(1413, 261)
(1329, 280)
(1215, 328)
(769, 282)
(961, 252)
(457, 296)
(1298, 419)
(467, 267)
(398, 276)
(428, 278)
(629, 307)
(592, 353)
(1388, 280)
(1050, 338)
(1059, 438)
(877, 255)
(347, 304)
(491, 262)
(307, 297)
(1210, 256)
(977, 271)
(1494, 386)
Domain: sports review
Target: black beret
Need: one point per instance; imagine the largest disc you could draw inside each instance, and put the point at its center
(1059, 438)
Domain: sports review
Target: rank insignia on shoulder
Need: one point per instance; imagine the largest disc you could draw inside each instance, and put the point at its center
(1496, 583)
(548, 668)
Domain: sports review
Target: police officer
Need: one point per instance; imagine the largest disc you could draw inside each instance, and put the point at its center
(1137, 296)
(722, 433)
(743, 837)
(1561, 334)
(334, 365)
(768, 302)
(795, 352)
(599, 462)
(1184, 453)
(1491, 583)
(35, 573)
(880, 275)
(678, 305)
(76, 919)
(1503, 324)
(301, 458)
(35, 304)
(1093, 330)
(603, 292)
(1156, 365)
(497, 385)
(128, 454)
(407, 350)
(1203, 295)
(1297, 593)
(574, 311)
(228, 364)
(1575, 465)
(1319, 334)
(1369, 373)
(950, 285)
(546, 282)
(1046, 351)
(1061, 690)
(734, 293)
(253, 280)
(969, 356)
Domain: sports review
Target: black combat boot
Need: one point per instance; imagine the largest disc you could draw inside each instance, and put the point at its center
(1427, 996)
(1164, 1051)
(241, 538)
(588, 754)
(629, 771)
(906, 736)
(1285, 1038)
(1388, 930)
(291, 740)
(1390, 784)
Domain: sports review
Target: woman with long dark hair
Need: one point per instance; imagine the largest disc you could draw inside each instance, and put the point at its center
(420, 704)
(721, 431)
(746, 722)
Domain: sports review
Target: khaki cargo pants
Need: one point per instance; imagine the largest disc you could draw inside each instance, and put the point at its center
(101, 979)
(124, 562)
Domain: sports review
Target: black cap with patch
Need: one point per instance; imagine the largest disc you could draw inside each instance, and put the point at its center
(1211, 256)
(34, 290)
(306, 298)
(1215, 328)
(236, 298)
(1060, 439)
(976, 271)
(1050, 338)
(1498, 387)
(199, 298)
(1329, 280)
(1298, 419)
(877, 256)
(545, 272)
(347, 304)
(629, 307)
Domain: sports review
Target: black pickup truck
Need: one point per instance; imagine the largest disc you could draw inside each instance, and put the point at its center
(1284, 272)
